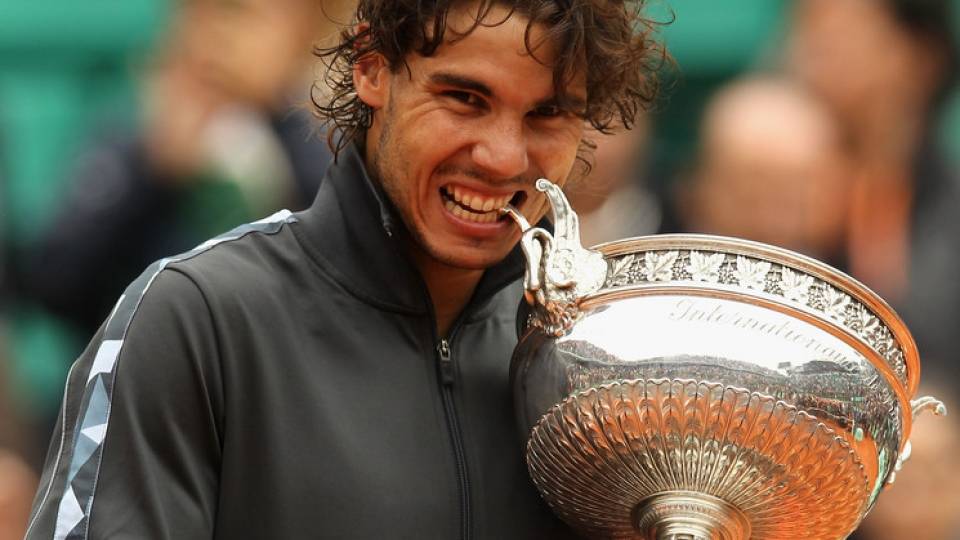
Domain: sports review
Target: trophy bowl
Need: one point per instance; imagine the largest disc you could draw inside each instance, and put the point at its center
(700, 387)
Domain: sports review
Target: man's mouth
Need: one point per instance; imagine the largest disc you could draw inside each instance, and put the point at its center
(473, 206)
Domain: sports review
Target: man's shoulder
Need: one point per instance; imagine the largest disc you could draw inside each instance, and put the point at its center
(244, 258)
(245, 263)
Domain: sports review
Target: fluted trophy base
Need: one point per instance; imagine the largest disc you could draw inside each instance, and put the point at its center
(663, 458)
(687, 515)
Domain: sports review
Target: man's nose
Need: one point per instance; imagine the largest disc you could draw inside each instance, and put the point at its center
(501, 149)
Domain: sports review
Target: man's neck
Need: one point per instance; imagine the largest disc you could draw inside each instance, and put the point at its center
(450, 288)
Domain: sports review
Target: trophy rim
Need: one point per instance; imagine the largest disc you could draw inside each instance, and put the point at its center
(791, 259)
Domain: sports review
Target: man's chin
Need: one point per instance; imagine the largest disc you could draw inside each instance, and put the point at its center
(472, 263)
(470, 259)
(457, 252)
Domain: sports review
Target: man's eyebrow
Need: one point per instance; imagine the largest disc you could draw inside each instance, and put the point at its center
(573, 103)
(445, 78)
(459, 81)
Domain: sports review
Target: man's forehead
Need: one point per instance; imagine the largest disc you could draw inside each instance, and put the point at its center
(472, 38)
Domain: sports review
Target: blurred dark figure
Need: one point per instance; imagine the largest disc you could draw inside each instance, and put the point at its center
(612, 200)
(884, 68)
(4, 257)
(218, 145)
(769, 169)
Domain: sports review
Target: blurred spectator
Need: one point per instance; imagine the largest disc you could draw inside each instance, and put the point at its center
(612, 201)
(883, 67)
(17, 486)
(17, 481)
(4, 258)
(905, 204)
(217, 145)
(770, 169)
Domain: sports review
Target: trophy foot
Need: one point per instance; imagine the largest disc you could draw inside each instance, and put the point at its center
(687, 515)
(683, 459)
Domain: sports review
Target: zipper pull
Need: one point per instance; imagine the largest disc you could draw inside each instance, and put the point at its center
(446, 365)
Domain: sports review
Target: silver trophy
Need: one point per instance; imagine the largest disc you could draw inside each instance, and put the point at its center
(699, 387)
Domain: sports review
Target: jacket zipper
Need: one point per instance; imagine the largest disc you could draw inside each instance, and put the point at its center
(456, 436)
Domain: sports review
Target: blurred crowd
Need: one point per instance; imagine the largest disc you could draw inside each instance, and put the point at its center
(833, 139)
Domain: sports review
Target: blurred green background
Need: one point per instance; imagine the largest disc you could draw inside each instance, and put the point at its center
(63, 66)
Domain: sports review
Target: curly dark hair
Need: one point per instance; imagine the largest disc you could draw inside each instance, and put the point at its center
(610, 37)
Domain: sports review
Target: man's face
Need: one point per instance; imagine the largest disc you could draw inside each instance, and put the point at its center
(468, 130)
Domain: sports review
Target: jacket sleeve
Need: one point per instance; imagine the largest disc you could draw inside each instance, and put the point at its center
(136, 453)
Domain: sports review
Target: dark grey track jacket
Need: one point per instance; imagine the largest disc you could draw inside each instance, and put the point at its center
(284, 381)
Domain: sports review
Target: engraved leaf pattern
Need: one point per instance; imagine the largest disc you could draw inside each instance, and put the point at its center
(866, 322)
(796, 286)
(835, 303)
(620, 268)
(659, 266)
(704, 267)
(751, 273)
(885, 340)
(899, 365)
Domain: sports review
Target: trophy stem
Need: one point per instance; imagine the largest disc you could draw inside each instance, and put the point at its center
(687, 515)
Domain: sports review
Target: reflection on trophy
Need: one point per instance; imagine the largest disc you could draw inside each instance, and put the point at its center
(698, 387)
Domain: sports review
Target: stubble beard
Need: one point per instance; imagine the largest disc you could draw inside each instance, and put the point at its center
(389, 170)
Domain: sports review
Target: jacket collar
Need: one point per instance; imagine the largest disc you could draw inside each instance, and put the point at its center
(353, 232)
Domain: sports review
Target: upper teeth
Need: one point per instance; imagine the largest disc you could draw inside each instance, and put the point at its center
(476, 201)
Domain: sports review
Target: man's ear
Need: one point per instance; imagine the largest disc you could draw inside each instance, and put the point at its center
(371, 78)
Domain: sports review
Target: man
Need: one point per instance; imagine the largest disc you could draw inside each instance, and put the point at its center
(342, 372)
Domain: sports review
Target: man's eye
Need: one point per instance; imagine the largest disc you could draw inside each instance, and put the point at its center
(548, 111)
(464, 97)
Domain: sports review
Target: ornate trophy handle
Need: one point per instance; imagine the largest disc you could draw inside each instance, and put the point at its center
(928, 403)
(560, 271)
(918, 406)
